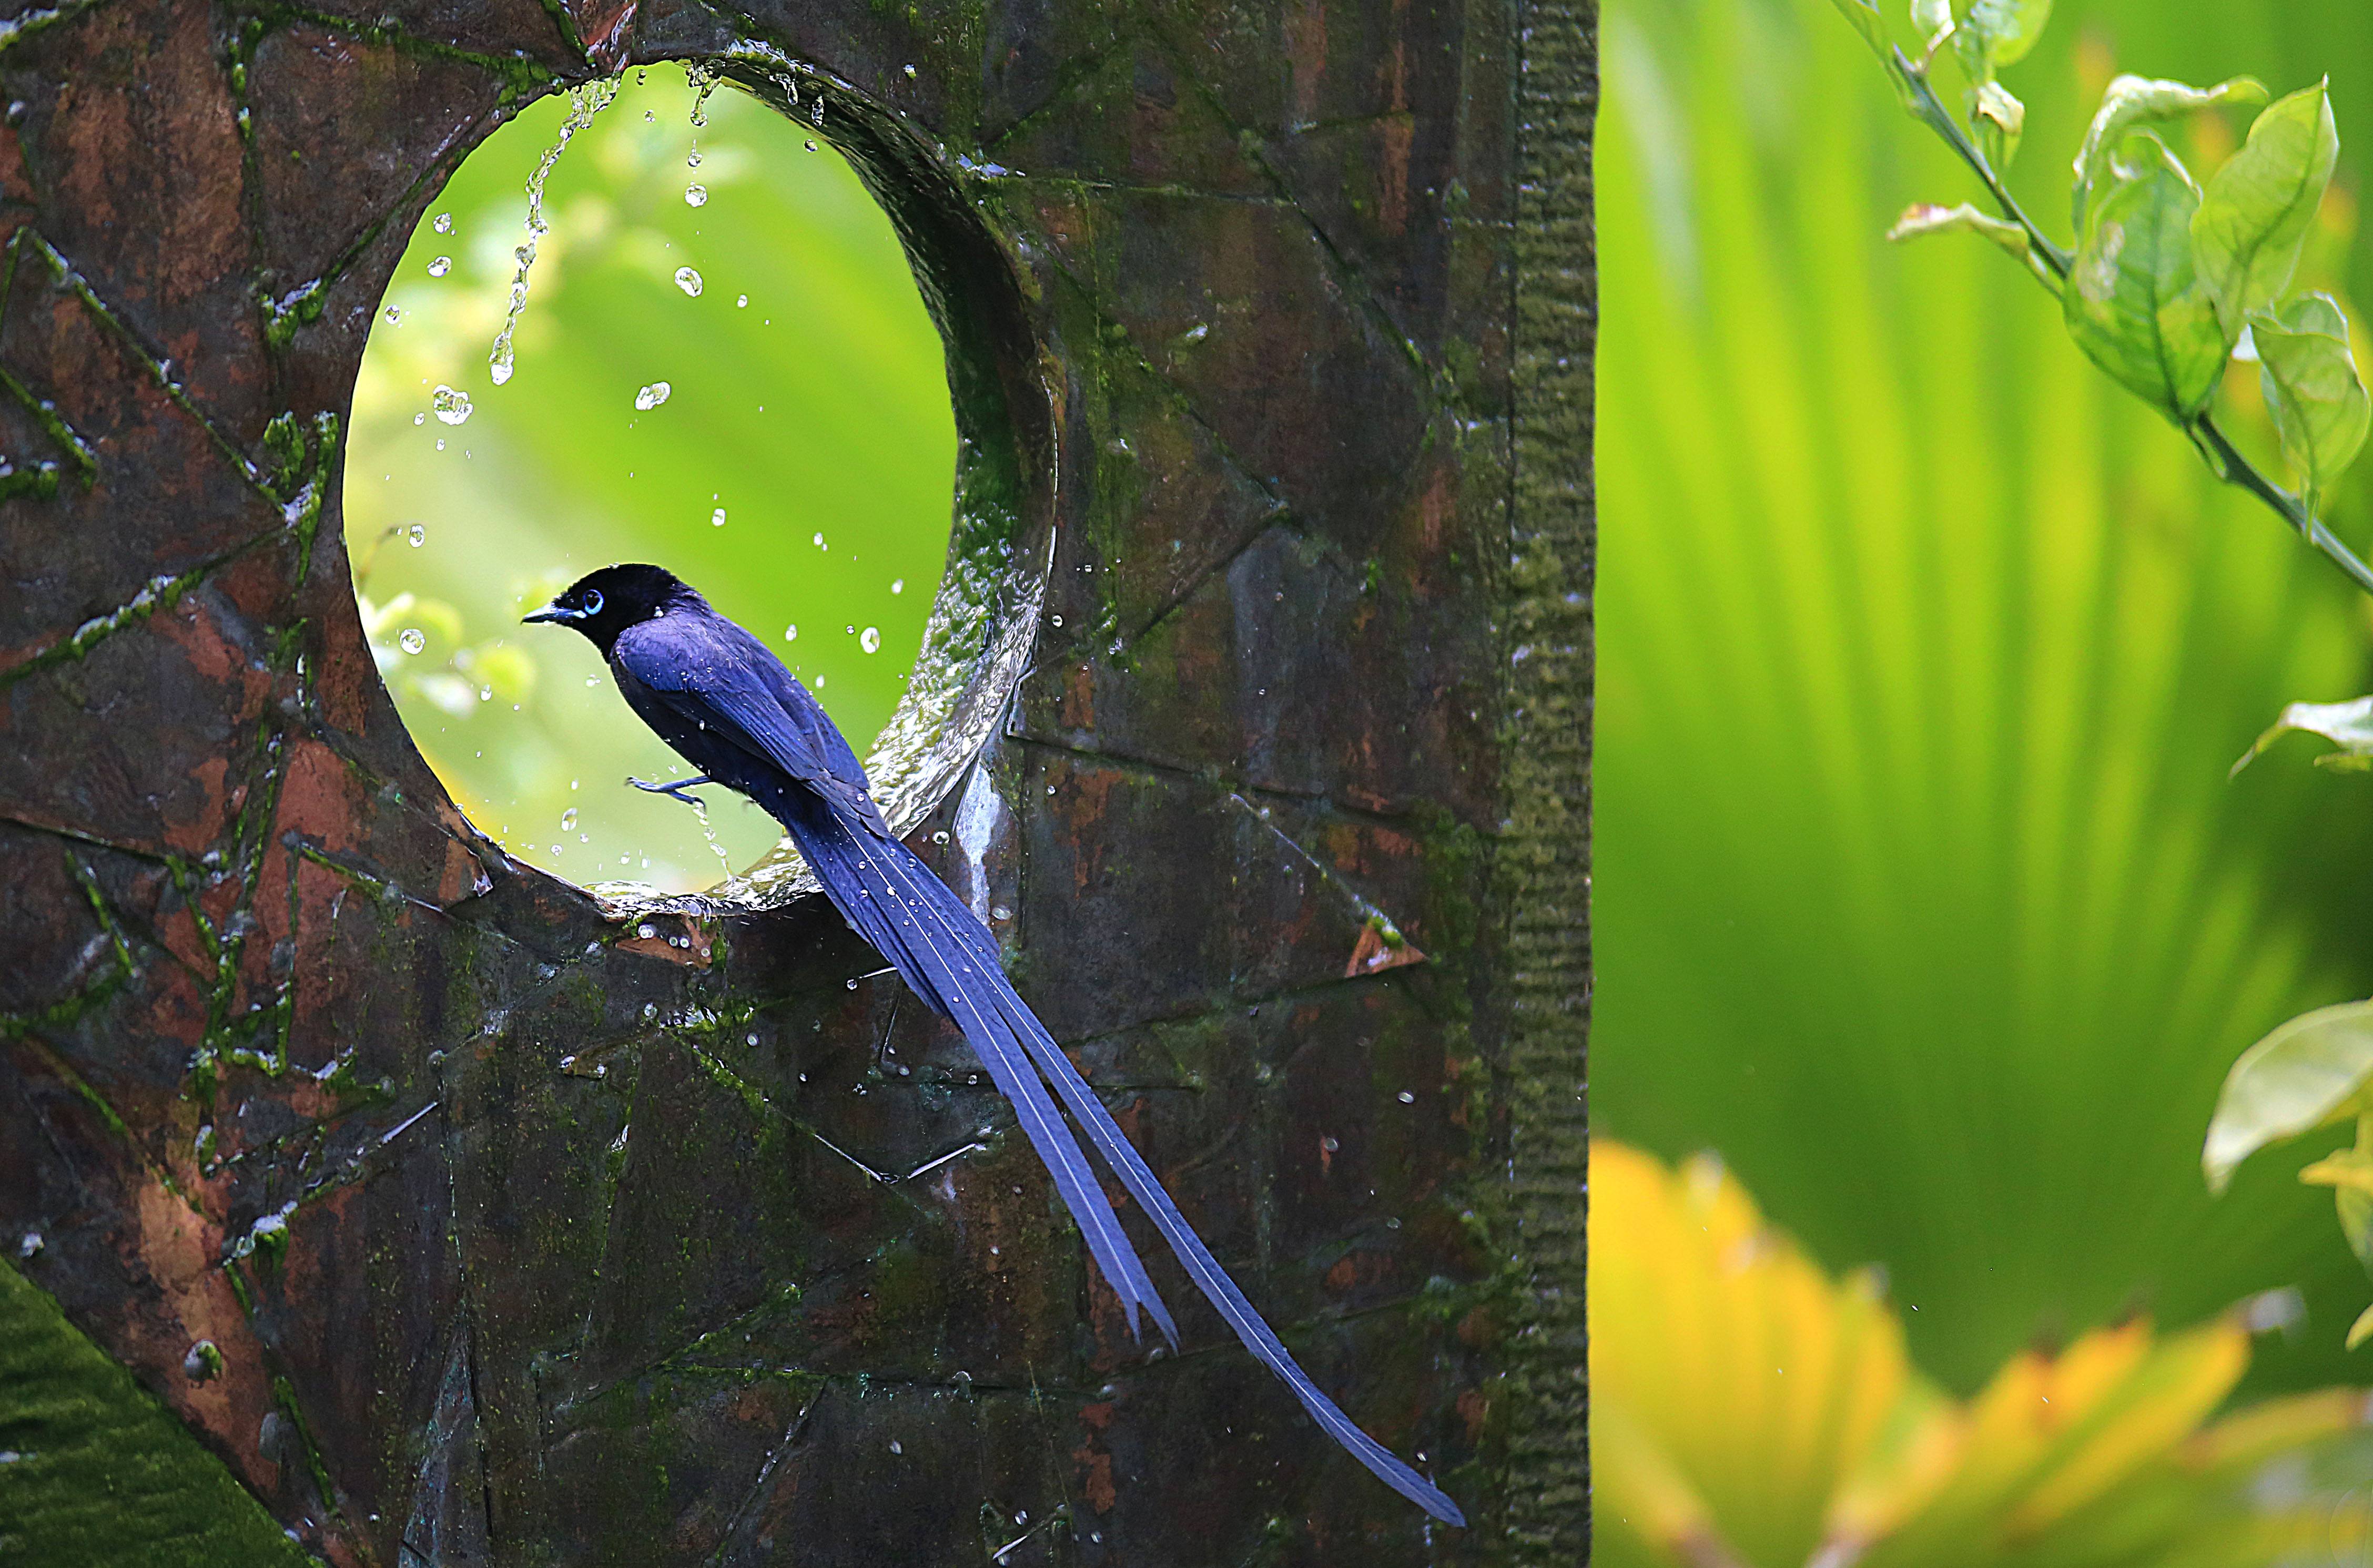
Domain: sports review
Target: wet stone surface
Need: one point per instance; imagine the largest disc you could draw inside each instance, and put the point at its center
(525, 1238)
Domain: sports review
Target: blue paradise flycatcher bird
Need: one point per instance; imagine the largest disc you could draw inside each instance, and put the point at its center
(721, 699)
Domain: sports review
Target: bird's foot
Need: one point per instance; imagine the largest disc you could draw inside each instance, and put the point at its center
(676, 790)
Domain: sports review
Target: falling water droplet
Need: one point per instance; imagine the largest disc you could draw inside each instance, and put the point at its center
(693, 159)
(909, 70)
(695, 195)
(811, 146)
(443, 223)
(741, 303)
(688, 280)
(592, 679)
(440, 266)
(568, 819)
(651, 396)
(791, 632)
(394, 316)
(870, 639)
(894, 1448)
(817, 541)
(1059, 620)
(414, 641)
(453, 407)
(897, 585)
(417, 533)
(420, 419)
(1001, 913)
(717, 518)
(584, 103)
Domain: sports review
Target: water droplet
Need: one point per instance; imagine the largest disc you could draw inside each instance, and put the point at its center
(688, 280)
(1329, 1144)
(440, 266)
(568, 819)
(584, 103)
(420, 419)
(650, 1009)
(870, 639)
(417, 533)
(894, 1448)
(695, 195)
(648, 118)
(412, 639)
(592, 679)
(850, 631)
(909, 70)
(440, 443)
(693, 159)
(1059, 620)
(443, 223)
(651, 396)
(897, 585)
(811, 146)
(791, 632)
(1001, 913)
(1408, 1098)
(486, 694)
(817, 542)
(941, 836)
(453, 407)
(717, 518)
(394, 316)
(742, 302)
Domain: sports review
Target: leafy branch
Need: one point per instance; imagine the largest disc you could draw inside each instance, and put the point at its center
(2169, 280)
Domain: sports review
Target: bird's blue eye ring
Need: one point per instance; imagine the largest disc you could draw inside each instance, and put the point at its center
(593, 600)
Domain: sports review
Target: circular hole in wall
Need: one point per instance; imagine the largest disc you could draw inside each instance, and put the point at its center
(723, 365)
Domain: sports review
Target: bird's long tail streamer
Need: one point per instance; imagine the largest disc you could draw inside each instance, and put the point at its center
(941, 950)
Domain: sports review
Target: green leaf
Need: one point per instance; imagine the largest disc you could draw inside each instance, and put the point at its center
(2360, 1330)
(2134, 301)
(2009, 27)
(2314, 391)
(1998, 119)
(2255, 215)
(1933, 21)
(1926, 218)
(2134, 101)
(2348, 725)
(2307, 1073)
(1866, 21)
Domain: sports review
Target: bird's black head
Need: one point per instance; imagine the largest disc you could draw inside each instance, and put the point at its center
(603, 604)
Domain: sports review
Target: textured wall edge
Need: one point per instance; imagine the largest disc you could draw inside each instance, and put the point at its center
(1544, 869)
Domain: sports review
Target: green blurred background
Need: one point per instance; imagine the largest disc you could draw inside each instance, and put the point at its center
(808, 407)
(1923, 898)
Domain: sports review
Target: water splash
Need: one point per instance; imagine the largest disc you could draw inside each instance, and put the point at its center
(651, 396)
(585, 101)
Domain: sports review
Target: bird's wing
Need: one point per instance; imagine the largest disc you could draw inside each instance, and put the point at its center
(726, 686)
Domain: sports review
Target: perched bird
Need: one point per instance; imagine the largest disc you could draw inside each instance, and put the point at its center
(721, 699)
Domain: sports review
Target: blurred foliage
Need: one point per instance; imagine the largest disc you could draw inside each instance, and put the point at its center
(798, 472)
(1921, 891)
(1746, 1409)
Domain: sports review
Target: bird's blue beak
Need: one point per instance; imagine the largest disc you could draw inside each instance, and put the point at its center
(556, 611)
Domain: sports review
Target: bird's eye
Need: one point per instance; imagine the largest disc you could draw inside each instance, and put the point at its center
(593, 600)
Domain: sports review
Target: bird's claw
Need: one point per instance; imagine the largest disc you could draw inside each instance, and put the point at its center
(675, 790)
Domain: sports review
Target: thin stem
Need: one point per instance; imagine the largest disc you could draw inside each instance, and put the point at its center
(1931, 111)
(2239, 471)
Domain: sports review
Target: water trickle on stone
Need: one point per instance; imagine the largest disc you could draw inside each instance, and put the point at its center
(688, 280)
(585, 101)
(451, 406)
(651, 396)
(412, 639)
(440, 266)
